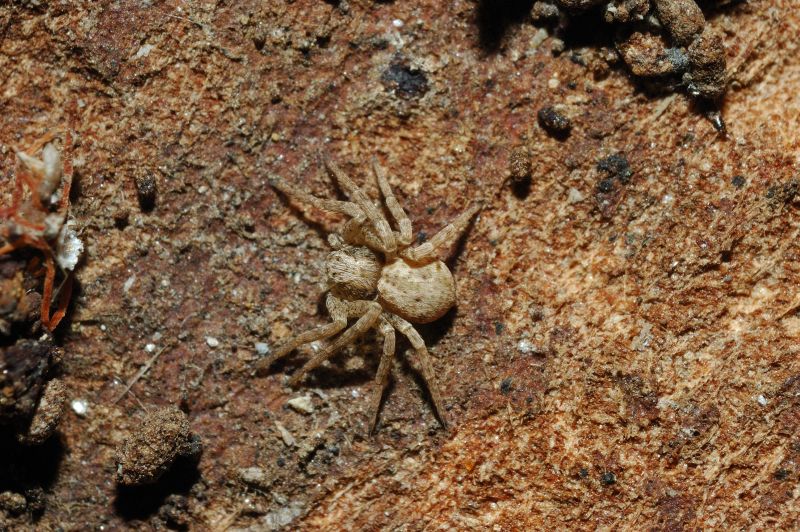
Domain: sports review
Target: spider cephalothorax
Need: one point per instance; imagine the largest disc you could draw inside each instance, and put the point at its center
(375, 275)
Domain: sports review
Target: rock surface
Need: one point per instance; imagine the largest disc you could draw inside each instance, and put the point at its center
(659, 382)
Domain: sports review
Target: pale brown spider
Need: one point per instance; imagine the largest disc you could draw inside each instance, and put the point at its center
(375, 275)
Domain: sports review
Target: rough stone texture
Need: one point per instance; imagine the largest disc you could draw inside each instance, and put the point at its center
(622, 356)
(24, 367)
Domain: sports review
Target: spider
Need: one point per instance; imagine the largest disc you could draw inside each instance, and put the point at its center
(39, 220)
(374, 274)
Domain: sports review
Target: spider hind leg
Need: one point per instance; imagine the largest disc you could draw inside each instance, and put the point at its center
(370, 312)
(338, 312)
(382, 377)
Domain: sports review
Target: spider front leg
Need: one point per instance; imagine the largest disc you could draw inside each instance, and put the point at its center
(385, 366)
(338, 311)
(378, 221)
(444, 239)
(369, 311)
(345, 207)
(399, 215)
(426, 367)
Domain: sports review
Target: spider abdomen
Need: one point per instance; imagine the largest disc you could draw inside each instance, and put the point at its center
(419, 294)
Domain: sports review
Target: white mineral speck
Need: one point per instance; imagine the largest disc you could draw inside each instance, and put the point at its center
(128, 284)
(524, 346)
(211, 341)
(80, 407)
(397, 23)
(150, 348)
(762, 400)
(144, 50)
(262, 348)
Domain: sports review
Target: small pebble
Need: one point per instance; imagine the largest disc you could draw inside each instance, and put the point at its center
(262, 348)
(762, 400)
(212, 342)
(575, 195)
(254, 476)
(286, 436)
(554, 120)
(302, 404)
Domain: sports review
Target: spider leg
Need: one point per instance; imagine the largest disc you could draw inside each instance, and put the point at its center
(39, 144)
(47, 294)
(382, 377)
(338, 312)
(370, 311)
(344, 207)
(444, 239)
(25, 176)
(49, 276)
(8, 248)
(376, 218)
(64, 293)
(25, 241)
(426, 367)
(399, 215)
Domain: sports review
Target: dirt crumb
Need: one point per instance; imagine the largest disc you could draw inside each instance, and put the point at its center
(47, 415)
(682, 18)
(162, 437)
(519, 163)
